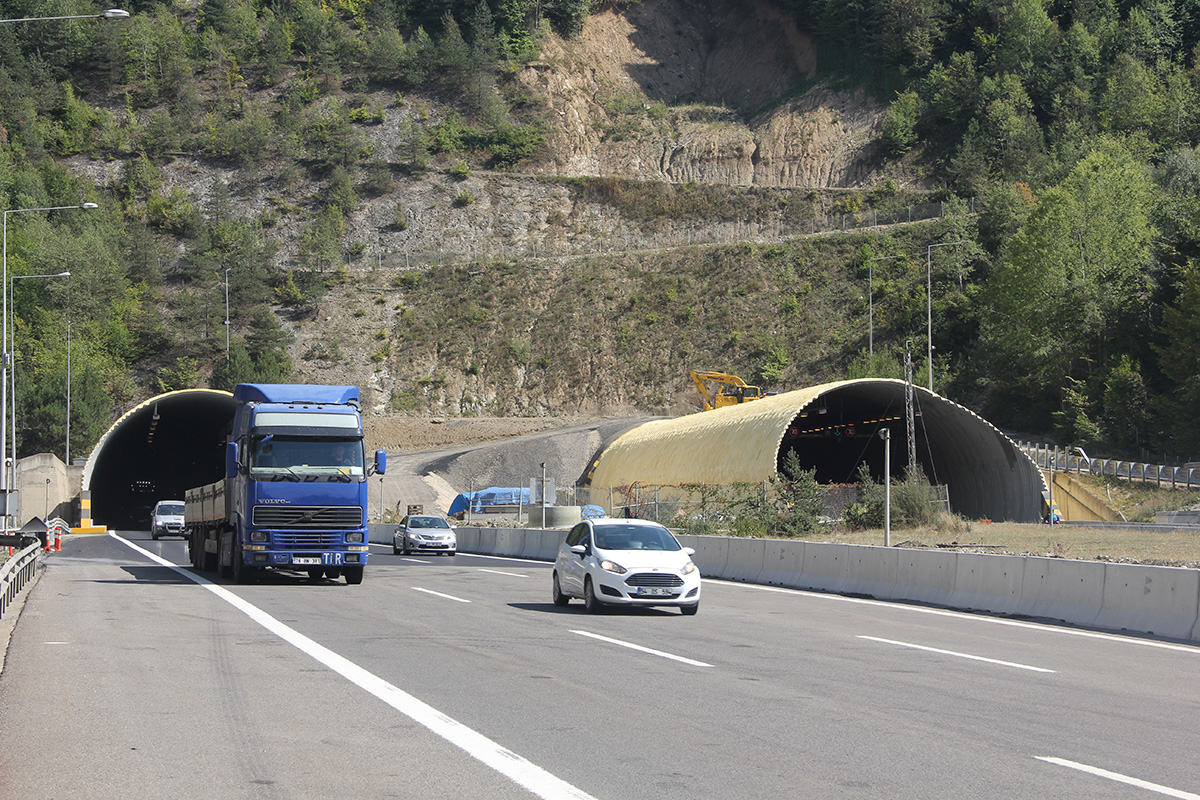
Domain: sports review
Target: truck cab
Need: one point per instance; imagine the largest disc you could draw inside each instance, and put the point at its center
(295, 492)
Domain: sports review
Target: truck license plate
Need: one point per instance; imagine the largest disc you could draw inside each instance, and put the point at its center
(306, 560)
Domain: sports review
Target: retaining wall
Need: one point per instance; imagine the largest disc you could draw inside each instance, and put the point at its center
(1164, 601)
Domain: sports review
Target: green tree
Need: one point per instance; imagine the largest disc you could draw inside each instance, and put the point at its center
(1068, 294)
(900, 124)
(803, 499)
(1126, 407)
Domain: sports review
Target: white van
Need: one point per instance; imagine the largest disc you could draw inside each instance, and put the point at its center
(167, 518)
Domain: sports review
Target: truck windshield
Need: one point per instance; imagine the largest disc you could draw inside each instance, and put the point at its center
(295, 458)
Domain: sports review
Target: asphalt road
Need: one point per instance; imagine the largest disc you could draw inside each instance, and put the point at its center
(454, 677)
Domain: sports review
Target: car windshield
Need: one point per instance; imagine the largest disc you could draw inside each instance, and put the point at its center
(171, 509)
(631, 537)
(427, 522)
(276, 458)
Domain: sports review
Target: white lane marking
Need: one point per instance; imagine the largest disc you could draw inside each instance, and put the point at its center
(499, 572)
(1116, 776)
(518, 769)
(439, 594)
(416, 560)
(899, 605)
(638, 647)
(507, 558)
(956, 655)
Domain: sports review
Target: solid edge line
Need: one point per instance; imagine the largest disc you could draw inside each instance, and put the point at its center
(638, 647)
(1116, 776)
(517, 768)
(958, 655)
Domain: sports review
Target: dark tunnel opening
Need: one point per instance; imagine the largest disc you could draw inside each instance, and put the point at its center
(171, 443)
(839, 431)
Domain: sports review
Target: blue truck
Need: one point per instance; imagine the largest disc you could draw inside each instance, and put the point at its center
(294, 496)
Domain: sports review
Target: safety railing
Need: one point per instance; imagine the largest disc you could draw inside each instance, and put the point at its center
(1162, 475)
(18, 570)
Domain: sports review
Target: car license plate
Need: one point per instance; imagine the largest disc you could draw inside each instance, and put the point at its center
(306, 560)
(652, 590)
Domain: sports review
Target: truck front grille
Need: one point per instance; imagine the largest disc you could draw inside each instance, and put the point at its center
(307, 517)
(313, 541)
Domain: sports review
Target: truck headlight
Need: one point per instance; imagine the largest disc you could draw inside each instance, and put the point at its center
(258, 536)
(355, 536)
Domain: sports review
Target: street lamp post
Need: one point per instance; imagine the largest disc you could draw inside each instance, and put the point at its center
(112, 13)
(929, 302)
(12, 367)
(4, 347)
(227, 313)
(67, 449)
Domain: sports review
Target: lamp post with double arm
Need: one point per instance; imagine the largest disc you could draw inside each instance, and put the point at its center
(5, 466)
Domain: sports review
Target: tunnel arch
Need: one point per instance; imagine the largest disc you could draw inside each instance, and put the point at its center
(833, 428)
(156, 450)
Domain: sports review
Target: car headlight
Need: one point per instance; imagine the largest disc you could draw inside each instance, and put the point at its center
(689, 568)
(612, 566)
(354, 537)
(258, 536)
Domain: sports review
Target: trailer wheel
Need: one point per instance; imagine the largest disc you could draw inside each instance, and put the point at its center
(354, 575)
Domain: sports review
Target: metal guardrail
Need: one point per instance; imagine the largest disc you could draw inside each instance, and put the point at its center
(18, 570)
(1159, 474)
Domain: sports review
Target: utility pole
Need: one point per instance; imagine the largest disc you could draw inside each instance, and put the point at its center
(909, 411)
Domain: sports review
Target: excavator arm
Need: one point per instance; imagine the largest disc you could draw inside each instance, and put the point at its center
(740, 391)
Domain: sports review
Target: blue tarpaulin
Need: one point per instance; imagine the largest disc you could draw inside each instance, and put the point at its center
(492, 496)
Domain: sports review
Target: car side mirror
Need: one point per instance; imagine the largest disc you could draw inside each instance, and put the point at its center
(578, 549)
(691, 551)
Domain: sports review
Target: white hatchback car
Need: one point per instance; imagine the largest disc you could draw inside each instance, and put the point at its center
(424, 532)
(628, 562)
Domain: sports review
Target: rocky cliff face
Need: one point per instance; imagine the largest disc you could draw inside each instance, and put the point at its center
(713, 85)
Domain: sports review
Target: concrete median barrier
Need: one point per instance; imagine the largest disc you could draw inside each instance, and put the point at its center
(745, 562)
(509, 542)
(781, 563)
(1164, 601)
(825, 567)
(1158, 600)
(487, 541)
(1055, 588)
(712, 554)
(987, 582)
(871, 571)
(381, 533)
(468, 539)
(926, 576)
(543, 544)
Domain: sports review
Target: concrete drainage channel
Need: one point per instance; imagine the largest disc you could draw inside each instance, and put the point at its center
(1163, 601)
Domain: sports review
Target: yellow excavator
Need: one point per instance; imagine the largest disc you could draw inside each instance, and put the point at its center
(730, 390)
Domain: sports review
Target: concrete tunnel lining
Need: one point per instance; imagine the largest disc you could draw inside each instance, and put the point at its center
(833, 428)
(155, 451)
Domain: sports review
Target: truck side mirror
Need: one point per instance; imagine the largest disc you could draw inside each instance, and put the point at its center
(231, 459)
(380, 462)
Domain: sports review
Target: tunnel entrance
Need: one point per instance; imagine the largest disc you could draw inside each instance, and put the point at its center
(839, 431)
(833, 429)
(156, 451)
